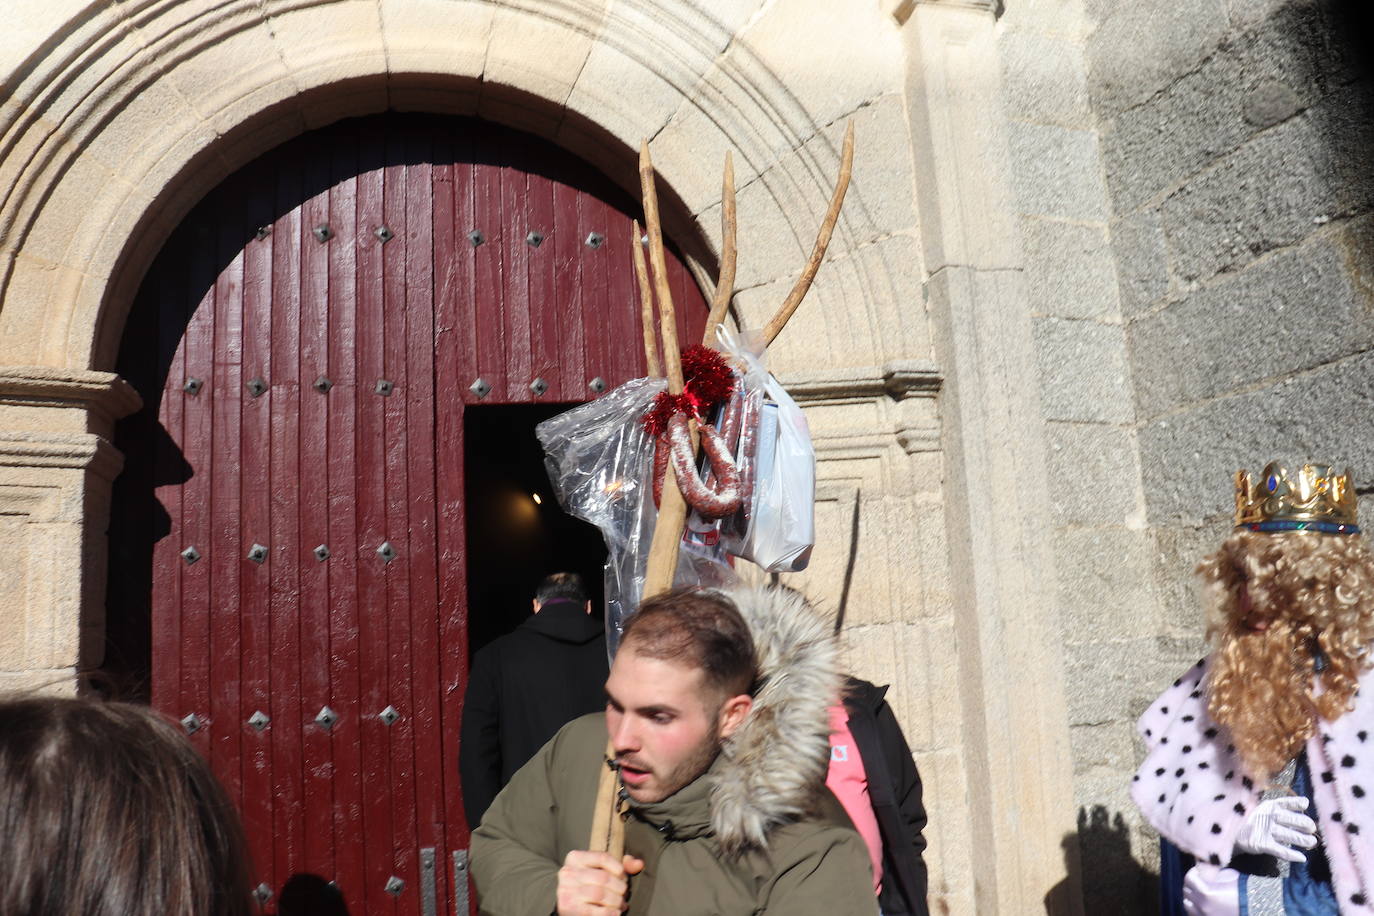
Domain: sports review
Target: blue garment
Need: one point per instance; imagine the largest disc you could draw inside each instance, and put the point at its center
(1307, 890)
(1173, 865)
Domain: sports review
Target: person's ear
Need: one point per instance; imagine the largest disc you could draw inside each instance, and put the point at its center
(733, 712)
(588, 606)
(534, 605)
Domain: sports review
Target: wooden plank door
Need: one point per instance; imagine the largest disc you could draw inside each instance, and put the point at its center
(290, 527)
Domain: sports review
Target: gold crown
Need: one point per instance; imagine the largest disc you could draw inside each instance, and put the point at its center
(1315, 499)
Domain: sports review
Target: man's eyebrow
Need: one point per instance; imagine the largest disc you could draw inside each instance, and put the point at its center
(651, 710)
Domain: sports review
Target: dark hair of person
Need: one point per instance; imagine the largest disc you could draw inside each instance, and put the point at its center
(699, 628)
(564, 586)
(107, 810)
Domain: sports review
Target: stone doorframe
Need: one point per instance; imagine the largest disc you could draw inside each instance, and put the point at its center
(122, 116)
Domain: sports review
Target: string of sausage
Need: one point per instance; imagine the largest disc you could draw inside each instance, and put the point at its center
(731, 416)
(723, 490)
(746, 456)
(711, 502)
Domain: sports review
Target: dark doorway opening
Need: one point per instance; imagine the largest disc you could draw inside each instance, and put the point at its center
(514, 540)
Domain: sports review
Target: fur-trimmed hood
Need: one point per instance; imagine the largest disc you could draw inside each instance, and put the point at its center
(772, 769)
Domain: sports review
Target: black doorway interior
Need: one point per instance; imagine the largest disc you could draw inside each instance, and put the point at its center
(513, 538)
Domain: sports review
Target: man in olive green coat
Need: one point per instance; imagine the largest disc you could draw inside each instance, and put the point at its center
(717, 714)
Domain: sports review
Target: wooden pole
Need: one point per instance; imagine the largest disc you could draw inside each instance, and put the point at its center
(608, 829)
(725, 283)
(672, 508)
(813, 264)
(646, 305)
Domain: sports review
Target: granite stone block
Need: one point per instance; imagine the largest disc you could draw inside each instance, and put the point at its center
(1343, 122)
(1069, 270)
(1320, 415)
(1293, 311)
(1109, 681)
(1044, 79)
(1179, 548)
(1139, 48)
(1251, 82)
(1090, 468)
(1142, 261)
(1057, 172)
(1271, 193)
(1083, 373)
(1106, 583)
(1110, 744)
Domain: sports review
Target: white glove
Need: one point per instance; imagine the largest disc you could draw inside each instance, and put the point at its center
(1209, 890)
(1276, 827)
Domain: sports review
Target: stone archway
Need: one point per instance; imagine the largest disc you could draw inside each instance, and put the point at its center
(121, 117)
(293, 539)
(217, 83)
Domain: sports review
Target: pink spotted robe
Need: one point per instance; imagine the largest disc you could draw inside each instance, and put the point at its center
(1193, 789)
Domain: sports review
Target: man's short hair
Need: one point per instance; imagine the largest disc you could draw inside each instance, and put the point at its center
(699, 628)
(561, 586)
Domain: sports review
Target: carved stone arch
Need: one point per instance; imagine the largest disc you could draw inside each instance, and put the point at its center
(131, 117)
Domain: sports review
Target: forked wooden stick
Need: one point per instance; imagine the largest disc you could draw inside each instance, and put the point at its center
(794, 298)
(646, 305)
(608, 829)
(672, 508)
(725, 283)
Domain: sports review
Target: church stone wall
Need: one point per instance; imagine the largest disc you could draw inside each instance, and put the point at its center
(1099, 548)
(1235, 140)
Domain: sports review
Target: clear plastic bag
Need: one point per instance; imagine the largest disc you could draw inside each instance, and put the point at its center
(600, 462)
(776, 529)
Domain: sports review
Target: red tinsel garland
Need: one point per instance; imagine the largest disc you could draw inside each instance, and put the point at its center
(707, 382)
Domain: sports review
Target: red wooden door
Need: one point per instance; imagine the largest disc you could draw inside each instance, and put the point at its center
(306, 345)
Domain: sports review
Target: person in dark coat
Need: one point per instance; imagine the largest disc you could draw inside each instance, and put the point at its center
(894, 789)
(526, 685)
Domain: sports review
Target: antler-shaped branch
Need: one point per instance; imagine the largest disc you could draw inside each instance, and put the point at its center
(646, 305)
(725, 283)
(608, 830)
(672, 511)
(808, 273)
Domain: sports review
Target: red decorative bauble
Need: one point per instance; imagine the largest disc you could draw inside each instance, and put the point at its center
(708, 380)
(655, 419)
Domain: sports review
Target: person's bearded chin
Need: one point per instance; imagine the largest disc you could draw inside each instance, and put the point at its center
(690, 767)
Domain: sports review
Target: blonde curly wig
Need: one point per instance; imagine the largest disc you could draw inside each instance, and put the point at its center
(1316, 592)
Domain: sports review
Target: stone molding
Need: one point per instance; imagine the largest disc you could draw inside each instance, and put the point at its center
(104, 394)
(72, 451)
(904, 8)
(899, 379)
(905, 382)
(34, 503)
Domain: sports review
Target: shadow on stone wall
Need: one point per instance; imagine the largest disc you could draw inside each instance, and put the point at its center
(1344, 120)
(1113, 881)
